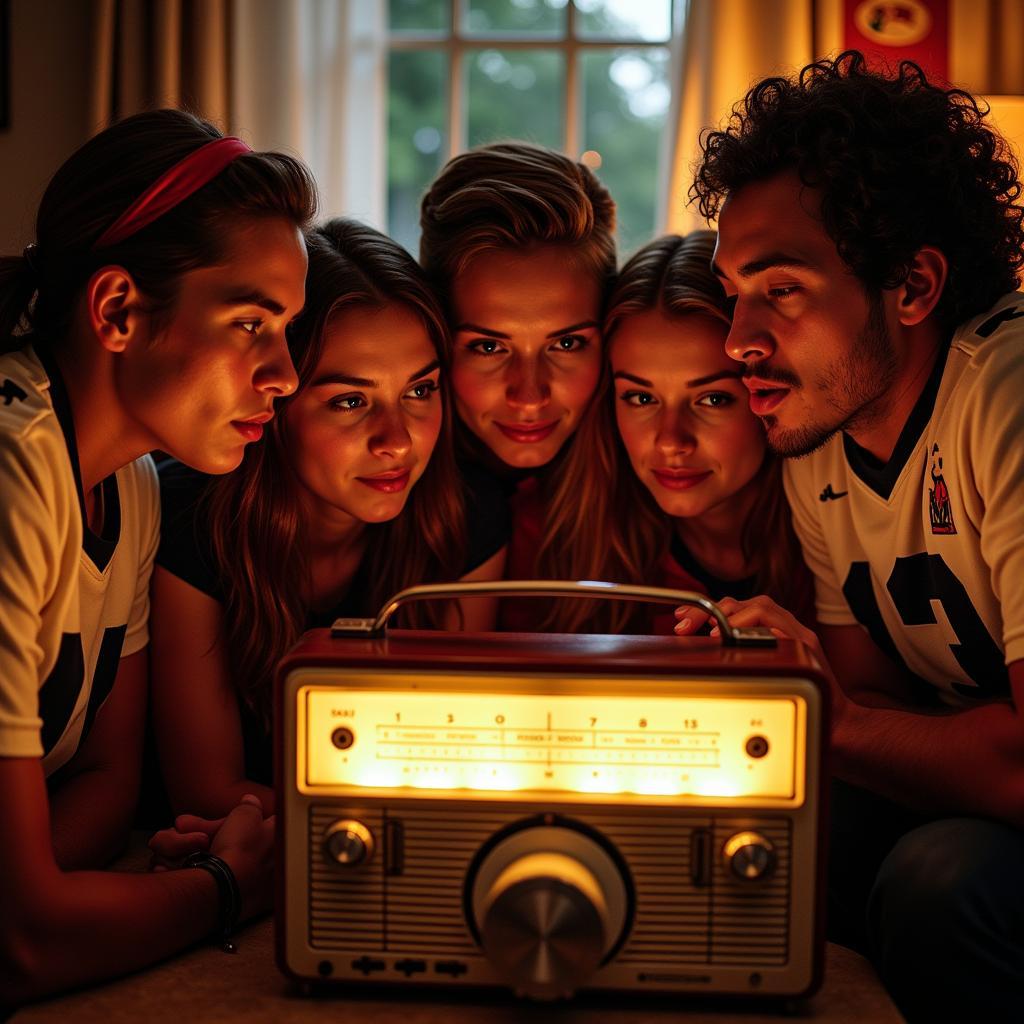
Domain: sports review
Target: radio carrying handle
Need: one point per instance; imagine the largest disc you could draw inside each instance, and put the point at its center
(732, 636)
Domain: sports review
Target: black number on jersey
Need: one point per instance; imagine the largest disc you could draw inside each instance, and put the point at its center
(916, 581)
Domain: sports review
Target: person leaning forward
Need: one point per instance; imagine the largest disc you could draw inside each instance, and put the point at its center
(870, 236)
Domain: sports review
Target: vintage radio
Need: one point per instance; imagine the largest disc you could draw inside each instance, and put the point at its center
(552, 813)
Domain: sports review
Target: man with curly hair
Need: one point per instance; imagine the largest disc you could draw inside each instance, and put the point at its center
(870, 232)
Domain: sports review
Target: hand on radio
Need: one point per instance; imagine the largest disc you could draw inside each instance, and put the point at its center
(763, 611)
(757, 611)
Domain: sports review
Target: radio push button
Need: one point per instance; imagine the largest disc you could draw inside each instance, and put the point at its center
(348, 843)
(749, 856)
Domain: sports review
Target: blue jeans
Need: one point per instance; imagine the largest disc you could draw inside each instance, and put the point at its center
(937, 905)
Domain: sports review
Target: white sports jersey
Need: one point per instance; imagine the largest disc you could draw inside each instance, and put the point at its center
(72, 603)
(927, 551)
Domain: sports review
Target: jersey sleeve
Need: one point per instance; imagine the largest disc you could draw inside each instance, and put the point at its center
(993, 446)
(185, 550)
(147, 506)
(831, 606)
(33, 525)
(488, 519)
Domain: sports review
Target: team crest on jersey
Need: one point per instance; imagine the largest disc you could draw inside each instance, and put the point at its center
(940, 509)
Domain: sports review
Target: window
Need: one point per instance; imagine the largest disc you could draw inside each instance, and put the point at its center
(588, 77)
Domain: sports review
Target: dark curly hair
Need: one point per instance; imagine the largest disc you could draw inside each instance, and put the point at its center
(900, 162)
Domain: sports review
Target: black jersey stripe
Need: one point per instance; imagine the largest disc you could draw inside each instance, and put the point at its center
(104, 677)
(59, 694)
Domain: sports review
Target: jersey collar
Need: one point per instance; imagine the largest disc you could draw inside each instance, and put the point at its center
(99, 547)
(881, 476)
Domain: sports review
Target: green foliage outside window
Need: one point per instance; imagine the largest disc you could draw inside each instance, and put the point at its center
(518, 93)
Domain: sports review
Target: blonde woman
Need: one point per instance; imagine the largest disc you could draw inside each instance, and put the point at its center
(519, 241)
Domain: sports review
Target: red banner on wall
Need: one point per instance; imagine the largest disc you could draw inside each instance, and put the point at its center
(888, 31)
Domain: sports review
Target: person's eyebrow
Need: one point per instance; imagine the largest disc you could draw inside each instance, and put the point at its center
(697, 382)
(429, 368)
(255, 297)
(622, 375)
(343, 378)
(481, 330)
(581, 326)
(771, 261)
(366, 382)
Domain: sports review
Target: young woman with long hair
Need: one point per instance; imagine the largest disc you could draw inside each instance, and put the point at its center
(352, 496)
(128, 325)
(672, 483)
(519, 240)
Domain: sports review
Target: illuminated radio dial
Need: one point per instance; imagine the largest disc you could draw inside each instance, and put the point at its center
(549, 905)
(749, 856)
(348, 843)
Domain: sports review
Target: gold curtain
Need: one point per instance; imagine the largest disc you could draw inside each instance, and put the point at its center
(159, 53)
(727, 45)
(987, 58)
(986, 46)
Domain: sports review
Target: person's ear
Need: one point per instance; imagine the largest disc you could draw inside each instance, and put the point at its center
(919, 294)
(114, 307)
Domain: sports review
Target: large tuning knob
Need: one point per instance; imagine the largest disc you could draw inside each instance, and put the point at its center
(749, 856)
(348, 843)
(549, 904)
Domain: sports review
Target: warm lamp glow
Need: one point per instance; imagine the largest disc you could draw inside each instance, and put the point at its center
(1007, 115)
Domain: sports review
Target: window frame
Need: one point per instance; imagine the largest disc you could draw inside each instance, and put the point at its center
(456, 43)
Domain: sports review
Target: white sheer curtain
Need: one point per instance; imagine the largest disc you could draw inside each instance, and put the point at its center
(309, 77)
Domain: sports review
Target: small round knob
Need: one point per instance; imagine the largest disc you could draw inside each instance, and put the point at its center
(348, 843)
(749, 856)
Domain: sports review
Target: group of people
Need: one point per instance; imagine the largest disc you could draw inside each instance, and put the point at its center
(813, 416)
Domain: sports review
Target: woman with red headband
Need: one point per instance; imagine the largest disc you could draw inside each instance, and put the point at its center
(150, 313)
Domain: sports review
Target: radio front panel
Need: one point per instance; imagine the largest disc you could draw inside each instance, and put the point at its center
(686, 912)
(673, 821)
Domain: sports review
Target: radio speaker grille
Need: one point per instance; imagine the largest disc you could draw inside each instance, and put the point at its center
(677, 920)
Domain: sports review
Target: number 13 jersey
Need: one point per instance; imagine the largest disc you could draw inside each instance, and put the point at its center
(926, 551)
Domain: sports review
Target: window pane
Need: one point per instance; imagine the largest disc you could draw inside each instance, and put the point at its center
(419, 15)
(515, 94)
(543, 18)
(625, 102)
(417, 136)
(649, 20)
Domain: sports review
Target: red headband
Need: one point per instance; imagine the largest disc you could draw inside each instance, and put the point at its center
(173, 186)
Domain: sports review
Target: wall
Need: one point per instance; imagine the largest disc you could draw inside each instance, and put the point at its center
(48, 107)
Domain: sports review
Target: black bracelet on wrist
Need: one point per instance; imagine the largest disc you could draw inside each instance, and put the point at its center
(228, 893)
